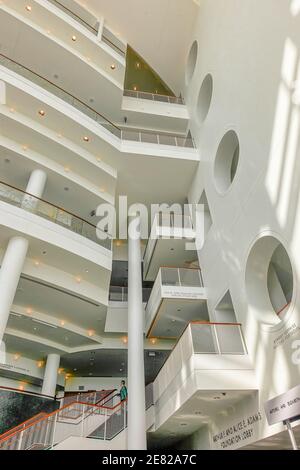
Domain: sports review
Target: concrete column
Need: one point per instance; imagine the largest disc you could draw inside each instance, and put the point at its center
(136, 374)
(50, 375)
(15, 255)
(35, 187)
(11, 268)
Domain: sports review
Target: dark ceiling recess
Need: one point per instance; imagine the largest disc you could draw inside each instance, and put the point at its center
(140, 76)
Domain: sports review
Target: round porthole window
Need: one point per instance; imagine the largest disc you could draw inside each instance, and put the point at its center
(226, 162)
(269, 280)
(204, 98)
(191, 62)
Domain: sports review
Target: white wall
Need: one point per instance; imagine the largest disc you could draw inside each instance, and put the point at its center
(251, 48)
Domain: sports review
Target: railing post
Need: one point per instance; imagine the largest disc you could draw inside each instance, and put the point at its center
(179, 278)
(216, 339)
(125, 413)
(54, 429)
(158, 141)
(21, 439)
(140, 136)
(82, 421)
(176, 141)
(105, 417)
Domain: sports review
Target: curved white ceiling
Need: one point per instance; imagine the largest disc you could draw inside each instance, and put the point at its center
(159, 30)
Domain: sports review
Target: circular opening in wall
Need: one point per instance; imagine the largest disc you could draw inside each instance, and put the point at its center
(269, 280)
(226, 162)
(191, 62)
(204, 98)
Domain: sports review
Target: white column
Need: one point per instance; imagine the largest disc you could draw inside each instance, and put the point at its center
(2, 92)
(136, 374)
(11, 268)
(50, 375)
(35, 187)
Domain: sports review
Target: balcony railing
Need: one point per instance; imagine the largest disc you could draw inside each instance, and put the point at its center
(91, 28)
(142, 95)
(107, 37)
(120, 294)
(217, 338)
(123, 134)
(55, 214)
(181, 277)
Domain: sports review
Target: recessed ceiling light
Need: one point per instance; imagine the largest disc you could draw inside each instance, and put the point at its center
(56, 76)
(113, 67)
(66, 338)
(78, 279)
(12, 110)
(16, 357)
(135, 88)
(66, 188)
(44, 252)
(36, 263)
(28, 7)
(86, 270)
(42, 112)
(179, 310)
(91, 333)
(125, 340)
(67, 169)
(86, 138)
(35, 328)
(29, 311)
(171, 249)
(62, 322)
(7, 160)
(75, 369)
(25, 147)
(91, 100)
(74, 38)
(121, 370)
(90, 373)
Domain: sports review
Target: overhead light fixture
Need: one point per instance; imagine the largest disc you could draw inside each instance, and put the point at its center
(7, 160)
(17, 356)
(66, 188)
(21, 388)
(42, 112)
(74, 38)
(29, 310)
(36, 263)
(86, 138)
(135, 88)
(91, 333)
(67, 169)
(78, 279)
(28, 7)
(125, 340)
(153, 340)
(62, 322)
(25, 147)
(40, 364)
(113, 67)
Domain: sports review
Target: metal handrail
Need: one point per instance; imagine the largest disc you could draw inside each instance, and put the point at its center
(106, 243)
(88, 26)
(145, 136)
(56, 413)
(26, 392)
(57, 87)
(154, 96)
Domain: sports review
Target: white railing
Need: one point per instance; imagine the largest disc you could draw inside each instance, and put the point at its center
(45, 209)
(126, 134)
(217, 338)
(181, 277)
(143, 95)
(75, 419)
(120, 294)
(167, 224)
(95, 398)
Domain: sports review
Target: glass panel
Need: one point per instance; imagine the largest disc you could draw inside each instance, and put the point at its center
(230, 339)
(190, 277)
(169, 277)
(204, 340)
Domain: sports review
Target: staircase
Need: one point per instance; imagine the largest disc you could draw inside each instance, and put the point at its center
(74, 418)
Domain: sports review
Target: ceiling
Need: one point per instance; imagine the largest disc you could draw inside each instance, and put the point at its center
(196, 412)
(160, 31)
(279, 441)
(111, 363)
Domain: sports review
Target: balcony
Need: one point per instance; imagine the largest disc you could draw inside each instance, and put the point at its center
(142, 95)
(177, 298)
(208, 371)
(123, 134)
(120, 294)
(171, 243)
(57, 215)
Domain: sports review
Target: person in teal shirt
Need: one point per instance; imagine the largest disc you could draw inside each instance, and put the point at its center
(123, 391)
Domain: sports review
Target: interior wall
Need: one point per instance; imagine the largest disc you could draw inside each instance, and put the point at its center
(93, 383)
(252, 51)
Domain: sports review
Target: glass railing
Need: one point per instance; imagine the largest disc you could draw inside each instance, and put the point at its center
(217, 338)
(143, 95)
(120, 294)
(52, 213)
(107, 36)
(91, 28)
(123, 134)
(182, 277)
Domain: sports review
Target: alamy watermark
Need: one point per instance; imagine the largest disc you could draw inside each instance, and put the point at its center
(172, 220)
